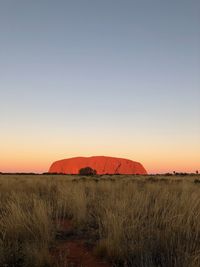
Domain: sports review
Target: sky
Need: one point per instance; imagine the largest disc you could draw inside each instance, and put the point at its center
(112, 77)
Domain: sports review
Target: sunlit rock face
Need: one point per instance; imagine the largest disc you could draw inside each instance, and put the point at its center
(102, 164)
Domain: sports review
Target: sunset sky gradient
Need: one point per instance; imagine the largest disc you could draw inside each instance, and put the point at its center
(114, 78)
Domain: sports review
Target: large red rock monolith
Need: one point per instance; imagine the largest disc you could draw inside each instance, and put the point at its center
(102, 164)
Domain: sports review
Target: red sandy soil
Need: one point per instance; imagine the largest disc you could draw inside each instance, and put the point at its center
(102, 164)
(70, 252)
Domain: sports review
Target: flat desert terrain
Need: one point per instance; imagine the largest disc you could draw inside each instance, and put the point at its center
(63, 220)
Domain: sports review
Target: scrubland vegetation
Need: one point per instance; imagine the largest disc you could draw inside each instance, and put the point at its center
(129, 220)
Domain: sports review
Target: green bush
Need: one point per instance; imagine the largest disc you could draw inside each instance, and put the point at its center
(87, 171)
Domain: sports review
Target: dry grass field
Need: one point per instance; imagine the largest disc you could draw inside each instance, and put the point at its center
(129, 220)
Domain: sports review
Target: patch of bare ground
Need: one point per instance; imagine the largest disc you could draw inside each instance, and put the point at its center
(72, 249)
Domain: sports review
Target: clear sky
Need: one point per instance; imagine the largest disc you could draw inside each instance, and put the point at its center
(100, 77)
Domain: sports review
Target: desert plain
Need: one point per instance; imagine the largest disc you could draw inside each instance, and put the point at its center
(109, 220)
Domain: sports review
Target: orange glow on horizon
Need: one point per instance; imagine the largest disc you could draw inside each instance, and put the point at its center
(40, 166)
(37, 153)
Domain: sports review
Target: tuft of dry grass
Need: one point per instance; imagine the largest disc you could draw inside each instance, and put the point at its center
(137, 221)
